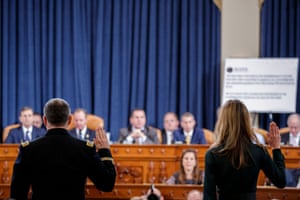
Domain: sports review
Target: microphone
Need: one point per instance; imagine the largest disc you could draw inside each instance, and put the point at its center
(152, 188)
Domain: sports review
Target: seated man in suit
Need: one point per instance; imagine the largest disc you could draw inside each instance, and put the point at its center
(81, 131)
(188, 133)
(37, 120)
(137, 132)
(171, 124)
(293, 139)
(26, 132)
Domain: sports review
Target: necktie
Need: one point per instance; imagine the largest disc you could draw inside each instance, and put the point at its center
(27, 137)
(188, 139)
(80, 135)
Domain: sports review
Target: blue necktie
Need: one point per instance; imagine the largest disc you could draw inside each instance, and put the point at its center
(27, 137)
(80, 134)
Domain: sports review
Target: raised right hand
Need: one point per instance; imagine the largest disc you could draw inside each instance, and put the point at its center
(274, 138)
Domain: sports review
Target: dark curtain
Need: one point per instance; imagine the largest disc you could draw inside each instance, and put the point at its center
(110, 56)
(280, 37)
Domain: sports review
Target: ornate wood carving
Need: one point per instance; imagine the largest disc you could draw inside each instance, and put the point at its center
(5, 176)
(129, 174)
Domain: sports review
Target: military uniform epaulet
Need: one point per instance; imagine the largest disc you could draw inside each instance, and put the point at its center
(89, 143)
(24, 144)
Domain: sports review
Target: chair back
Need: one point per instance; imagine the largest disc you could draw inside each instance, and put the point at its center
(7, 129)
(93, 122)
(262, 132)
(209, 136)
(284, 130)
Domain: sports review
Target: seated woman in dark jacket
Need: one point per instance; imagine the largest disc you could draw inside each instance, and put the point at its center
(189, 172)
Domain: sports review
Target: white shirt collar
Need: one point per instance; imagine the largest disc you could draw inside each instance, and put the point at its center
(169, 133)
(294, 139)
(188, 133)
(27, 129)
(82, 130)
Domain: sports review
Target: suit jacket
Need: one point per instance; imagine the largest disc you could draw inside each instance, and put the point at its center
(16, 135)
(57, 166)
(285, 139)
(149, 132)
(197, 138)
(89, 135)
(164, 137)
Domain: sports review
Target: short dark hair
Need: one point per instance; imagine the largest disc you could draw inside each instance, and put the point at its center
(57, 111)
(24, 109)
(152, 196)
(136, 109)
(36, 113)
(187, 114)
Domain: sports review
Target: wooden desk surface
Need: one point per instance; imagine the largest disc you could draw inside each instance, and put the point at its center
(179, 192)
(170, 192)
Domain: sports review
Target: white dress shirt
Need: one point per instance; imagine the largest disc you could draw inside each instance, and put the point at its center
(294, 140)
(29, 132)
(83, 132)
(141, 140)
(169, 137)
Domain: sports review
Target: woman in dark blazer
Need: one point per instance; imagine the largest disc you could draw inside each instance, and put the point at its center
(233, 163)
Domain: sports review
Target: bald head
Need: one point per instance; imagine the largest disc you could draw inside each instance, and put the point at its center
(293, 123)
(194, 195)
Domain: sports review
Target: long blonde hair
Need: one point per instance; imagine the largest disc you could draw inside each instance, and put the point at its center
(234, 133)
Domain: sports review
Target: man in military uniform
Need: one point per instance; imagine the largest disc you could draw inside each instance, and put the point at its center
(57, 165)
